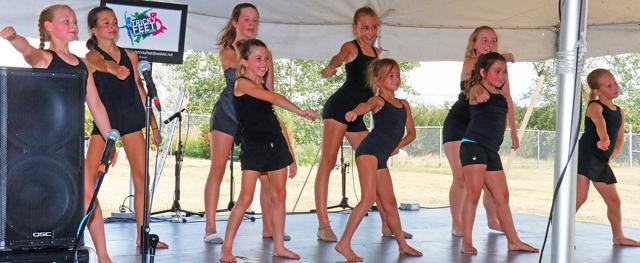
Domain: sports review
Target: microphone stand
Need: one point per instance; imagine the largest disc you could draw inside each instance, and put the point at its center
(175, 207)
(146, 245)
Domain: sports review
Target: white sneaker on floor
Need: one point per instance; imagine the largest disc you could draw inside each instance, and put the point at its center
(213, 239)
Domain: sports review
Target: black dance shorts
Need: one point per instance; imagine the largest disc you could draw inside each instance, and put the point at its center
(595, 167)
(475, 153)
(222, 119)
(265, 155)
(457, 120)
(338, 105)
(369, 147)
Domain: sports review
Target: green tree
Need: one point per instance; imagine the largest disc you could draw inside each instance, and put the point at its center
(203, 74)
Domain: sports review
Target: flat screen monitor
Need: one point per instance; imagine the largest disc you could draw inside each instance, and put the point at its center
(154, 30)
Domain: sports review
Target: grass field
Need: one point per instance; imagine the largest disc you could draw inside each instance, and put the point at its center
(415, 179)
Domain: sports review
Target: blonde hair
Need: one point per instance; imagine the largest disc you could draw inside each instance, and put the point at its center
(228, 33)
(244, 48)
(363, 11)
(470, 52)
(593, 80)
(48, 14)
(377, 70)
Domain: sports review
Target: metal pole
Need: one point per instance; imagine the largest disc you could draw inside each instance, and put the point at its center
(440, 147)
(567, 123)
(630, 146)
(538, 148)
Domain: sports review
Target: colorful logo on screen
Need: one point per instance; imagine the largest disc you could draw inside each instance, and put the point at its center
(143, 25)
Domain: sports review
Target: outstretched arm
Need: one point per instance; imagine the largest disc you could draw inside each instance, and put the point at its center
(36, 58)
(347, 53)
(594, 111)
(619, 139)
(143, 95)
(97, 109)
(363, 108)
(245, 86)
(97, 62)
(511, 116)
(410, 134)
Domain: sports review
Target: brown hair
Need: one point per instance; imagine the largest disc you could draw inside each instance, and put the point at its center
(363, 11)
(48, 14)
(92, 21)
(228, 33)
(593, 80)
(244, 48)
(469, 51)
(378, 69)
(485, 62)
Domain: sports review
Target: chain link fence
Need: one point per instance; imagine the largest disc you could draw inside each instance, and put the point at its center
(537, 147)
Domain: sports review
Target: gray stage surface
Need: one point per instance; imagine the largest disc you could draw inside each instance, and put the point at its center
(430, 227)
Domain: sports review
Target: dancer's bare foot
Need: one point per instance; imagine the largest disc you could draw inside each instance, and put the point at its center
(410, 251)
(285, 237)
(326, 234)
(227, 257)
(348, 253)
(625, 241)
(285, 253)
(386, 232)
(522, 246)
(468, 249)
(160, 245)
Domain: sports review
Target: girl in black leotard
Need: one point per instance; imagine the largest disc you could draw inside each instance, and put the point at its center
(482, 40)
(58, 24)
(481, 165)
(602, 141)
(223, 124)
(120, 88)
(263, 146)
(356, 55)
(391, 116)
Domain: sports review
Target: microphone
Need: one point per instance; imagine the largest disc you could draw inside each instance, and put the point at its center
(175, 115)
(112, 137)
(144, 67)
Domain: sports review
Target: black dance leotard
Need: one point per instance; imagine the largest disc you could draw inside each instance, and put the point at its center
(593, 162)
(58, 63)
(121, 98)
(458, 117)
(488, 119)
(263, 146)
(389, 123)
(223, 117)
(354, 91)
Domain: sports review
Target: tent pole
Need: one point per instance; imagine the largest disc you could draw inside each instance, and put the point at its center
(567, 124)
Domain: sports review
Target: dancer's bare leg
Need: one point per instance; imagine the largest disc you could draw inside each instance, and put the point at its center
(457, 191)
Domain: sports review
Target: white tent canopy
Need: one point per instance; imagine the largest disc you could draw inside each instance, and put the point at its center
(414, 30)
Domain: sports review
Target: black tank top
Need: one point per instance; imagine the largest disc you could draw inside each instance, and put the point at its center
(58, 63)
(488, 121)
(121, 98)
(461, 107)
(258, 121)
(612, 119)
(389, 123)
(356, 71)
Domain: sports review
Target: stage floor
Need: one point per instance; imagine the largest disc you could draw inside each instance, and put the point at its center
(430, 227)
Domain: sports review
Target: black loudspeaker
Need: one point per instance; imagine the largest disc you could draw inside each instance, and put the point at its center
(41, 157)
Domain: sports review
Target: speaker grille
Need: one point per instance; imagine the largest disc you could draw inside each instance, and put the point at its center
(43, 147)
